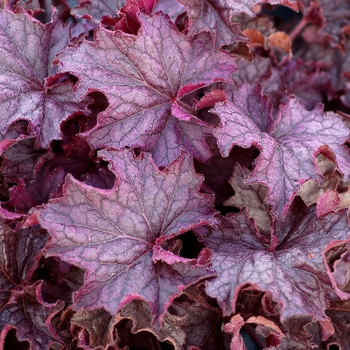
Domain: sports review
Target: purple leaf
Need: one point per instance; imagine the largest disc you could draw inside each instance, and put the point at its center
(254, 72)
(290, 266)
(144, 78)
(116, 234)
(172, 8)
(26, 92)
(288, 144)
(213, 16)
(211, 10)
(96, 9)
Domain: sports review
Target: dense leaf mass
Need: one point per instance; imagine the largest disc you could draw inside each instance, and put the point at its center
(117, 235)
(174, 174)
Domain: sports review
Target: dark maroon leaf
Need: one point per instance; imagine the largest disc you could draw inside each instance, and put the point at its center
(339, 312)
(31, 316)
(74, 156)
(60, 279)
(29, 194)
(116, 235)
(22, 160)
(290, 266)
(21, 305)
(297, 337)
(148, 74)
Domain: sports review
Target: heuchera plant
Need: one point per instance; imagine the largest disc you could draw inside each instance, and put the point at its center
(174, 174)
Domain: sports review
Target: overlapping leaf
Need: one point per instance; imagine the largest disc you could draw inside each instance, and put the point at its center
(117, 235)
(26, 51)
(96, 9)
(290, 266)
(214, 17)
(335, 15)
(20, 252)
(214, 11)
(144, 78)
(250, 196)
(269, 330)
(200, 321)
(21, 304)
(31, 193)
(31, 317)
(288, 143)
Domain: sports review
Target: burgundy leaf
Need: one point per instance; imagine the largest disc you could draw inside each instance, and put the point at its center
(288, 144)
(339, 312)
(27, 50)
(21, 304)
(31, 316)
(212, 9)
(210, 98)
(27, 195)
(290, 266)
(144, 78)
(116, 235)
(74, 156)
(297, 337)
(22, 160)
(20, 254)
